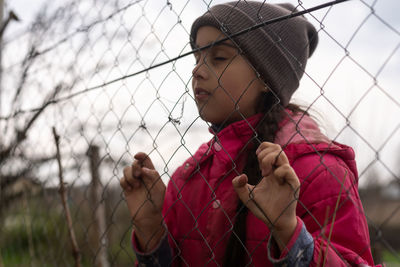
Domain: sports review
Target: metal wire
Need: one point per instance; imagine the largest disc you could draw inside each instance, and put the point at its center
(114, 78)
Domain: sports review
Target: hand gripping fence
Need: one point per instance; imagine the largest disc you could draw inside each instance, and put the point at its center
(112, 78)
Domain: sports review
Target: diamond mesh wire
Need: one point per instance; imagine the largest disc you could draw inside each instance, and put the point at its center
(115, 77)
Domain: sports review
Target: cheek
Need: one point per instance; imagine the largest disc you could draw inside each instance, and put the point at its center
(239, 85)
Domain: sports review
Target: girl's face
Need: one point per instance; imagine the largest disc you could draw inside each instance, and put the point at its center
(226, 87)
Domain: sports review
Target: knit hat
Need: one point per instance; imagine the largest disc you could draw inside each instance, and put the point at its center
(278, 51)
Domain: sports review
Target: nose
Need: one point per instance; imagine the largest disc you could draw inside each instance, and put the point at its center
(200, 70)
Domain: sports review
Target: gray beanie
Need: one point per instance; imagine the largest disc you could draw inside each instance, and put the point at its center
(278, 51)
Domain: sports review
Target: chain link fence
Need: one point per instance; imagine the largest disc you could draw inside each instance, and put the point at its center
(111, 78)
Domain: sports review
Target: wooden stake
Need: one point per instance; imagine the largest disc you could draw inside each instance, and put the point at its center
(75, 249)
(97, 202)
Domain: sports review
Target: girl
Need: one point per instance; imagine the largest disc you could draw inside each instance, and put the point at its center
(269, 188)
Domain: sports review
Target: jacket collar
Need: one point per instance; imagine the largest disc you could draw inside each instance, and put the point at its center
(238, 128)
(293, 129)
(229, 142)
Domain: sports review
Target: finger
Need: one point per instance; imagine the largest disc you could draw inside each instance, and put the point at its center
(129, 178)
(240, 181)
(245, 194)
(273, 155)
(267, 146)
(157, 182)
(124, 184)
(136, 169)
(127, 171)
(286, 174)
(282, 158)
(272, 161)
(267, 163)
(144, 159)
(242, 188)
(151, 176)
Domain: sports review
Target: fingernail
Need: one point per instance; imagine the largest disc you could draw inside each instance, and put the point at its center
(257, 151)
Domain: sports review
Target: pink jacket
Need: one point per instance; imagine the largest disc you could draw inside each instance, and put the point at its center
(200, 203)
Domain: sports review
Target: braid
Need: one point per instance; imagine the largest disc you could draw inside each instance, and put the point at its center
(235, 253)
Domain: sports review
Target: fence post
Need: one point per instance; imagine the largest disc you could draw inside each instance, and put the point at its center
(99, 240)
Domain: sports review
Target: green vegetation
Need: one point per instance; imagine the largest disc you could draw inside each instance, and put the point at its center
(35, 234)
(390, 259)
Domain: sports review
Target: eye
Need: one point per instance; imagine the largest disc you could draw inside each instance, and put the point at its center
(220, 58)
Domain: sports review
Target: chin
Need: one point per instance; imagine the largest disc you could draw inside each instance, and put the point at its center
(217, 121)
(209, 119)
(210, 116)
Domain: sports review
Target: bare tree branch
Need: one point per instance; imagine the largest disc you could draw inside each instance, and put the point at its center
(11, 16)
(75, 249)
(27, 63)
(21, 134)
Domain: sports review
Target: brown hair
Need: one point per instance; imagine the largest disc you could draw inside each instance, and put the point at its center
(235, 253)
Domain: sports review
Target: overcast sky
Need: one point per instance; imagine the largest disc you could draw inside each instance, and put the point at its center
(151, 32)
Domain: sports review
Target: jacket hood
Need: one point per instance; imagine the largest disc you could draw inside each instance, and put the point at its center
(299, 128)
(300, 135)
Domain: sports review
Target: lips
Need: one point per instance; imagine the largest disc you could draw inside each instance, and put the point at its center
(201, 93)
